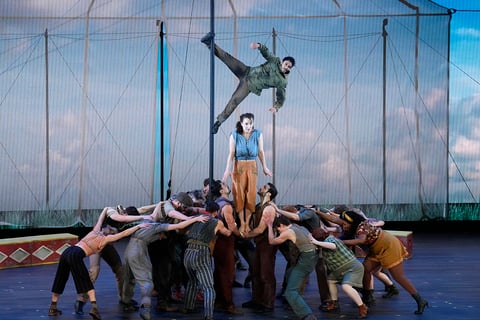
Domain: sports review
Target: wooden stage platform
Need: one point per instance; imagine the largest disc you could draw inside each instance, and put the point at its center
(445, 268)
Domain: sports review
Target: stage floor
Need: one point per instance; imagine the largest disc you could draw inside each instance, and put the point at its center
(445, 268)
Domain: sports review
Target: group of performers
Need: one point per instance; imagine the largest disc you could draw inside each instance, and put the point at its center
(191, 242)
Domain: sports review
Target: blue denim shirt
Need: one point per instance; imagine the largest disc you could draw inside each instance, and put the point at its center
(246, 149)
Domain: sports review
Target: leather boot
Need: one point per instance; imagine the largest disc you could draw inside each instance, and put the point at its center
(367, 297)
(331, 306)
(362, 311)
(391, 291)
(421, 303)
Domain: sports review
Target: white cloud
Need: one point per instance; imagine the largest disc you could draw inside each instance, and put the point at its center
(468, 147)
(468, 32)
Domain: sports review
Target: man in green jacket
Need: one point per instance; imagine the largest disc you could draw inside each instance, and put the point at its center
(271, 74)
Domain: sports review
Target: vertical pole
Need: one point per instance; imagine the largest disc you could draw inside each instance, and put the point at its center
(274, 152)
(212, 89)
(347, 110)
(417, 118)
(84, 107)
(47, 130)
(446, 213)
(162, 106)
(158, 170)
(384, 125)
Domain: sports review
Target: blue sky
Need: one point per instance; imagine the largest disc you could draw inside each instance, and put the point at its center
(465, 45)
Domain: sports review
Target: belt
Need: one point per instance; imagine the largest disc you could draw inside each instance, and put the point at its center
(194, 241)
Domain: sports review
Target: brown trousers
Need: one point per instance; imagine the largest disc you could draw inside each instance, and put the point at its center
(263, 280)
(224, 272)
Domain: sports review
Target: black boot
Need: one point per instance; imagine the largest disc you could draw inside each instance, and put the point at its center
(367, 297)
(53, 310)
(207, 39)
(79, 307)
(216, 126)
(391, 291)
(421, 303)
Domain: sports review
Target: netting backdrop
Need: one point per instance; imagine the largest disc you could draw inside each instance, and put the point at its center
(366, 120)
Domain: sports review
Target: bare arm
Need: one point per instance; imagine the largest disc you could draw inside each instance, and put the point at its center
(127, 218)
(186, 223)
(221, 228)
(288, 214)
(98, 225)
(261, 157)
(282, 237)
(148, 208)
(231, 154)
(329, 217)
(323, 244)
(227, 212)
(361, 239)
(125, 233)
(177, 215)
(268, 213)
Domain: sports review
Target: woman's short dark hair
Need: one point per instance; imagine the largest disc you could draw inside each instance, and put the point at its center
(354, 219)
(247, 115)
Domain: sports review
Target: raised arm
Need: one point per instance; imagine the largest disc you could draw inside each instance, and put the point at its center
(264, 51)
(98, 225)
(288, 214)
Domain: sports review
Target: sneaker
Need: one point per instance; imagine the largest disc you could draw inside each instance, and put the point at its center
(207, 39)
(145, 313)
(53, 312)
(95, 314)
(78, 307)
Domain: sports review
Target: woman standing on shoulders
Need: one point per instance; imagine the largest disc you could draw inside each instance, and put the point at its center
(246, 144)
